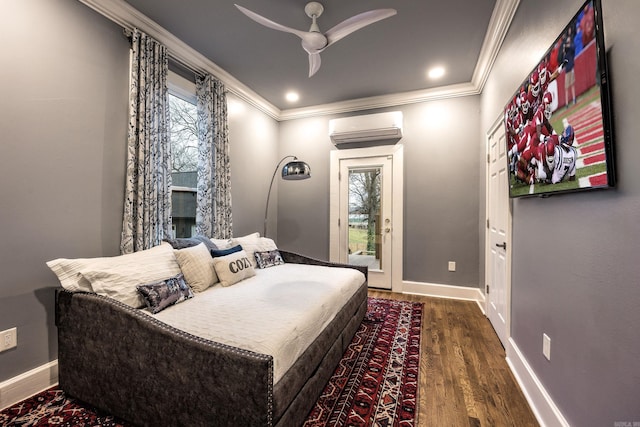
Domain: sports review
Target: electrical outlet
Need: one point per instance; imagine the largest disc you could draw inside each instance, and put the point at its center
(452, 266)
(546, 346)
(8, 339)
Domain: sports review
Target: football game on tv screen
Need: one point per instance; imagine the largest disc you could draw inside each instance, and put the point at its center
(558, 122)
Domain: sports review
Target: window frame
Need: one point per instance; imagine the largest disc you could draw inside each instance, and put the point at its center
(185, 90)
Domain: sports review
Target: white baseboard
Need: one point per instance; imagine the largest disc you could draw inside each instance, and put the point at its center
(541, 404)
(444, 291)
(28, 383)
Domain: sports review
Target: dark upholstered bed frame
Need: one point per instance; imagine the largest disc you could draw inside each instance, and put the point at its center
(149, 373)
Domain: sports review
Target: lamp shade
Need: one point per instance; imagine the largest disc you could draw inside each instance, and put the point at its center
(296, 170)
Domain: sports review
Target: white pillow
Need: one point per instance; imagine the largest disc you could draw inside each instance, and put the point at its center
(233, 268)
(227, 243)
(255, 235)
(196, 264)
(222, 243)
(69, 274)
(118, 277)
(254, 243)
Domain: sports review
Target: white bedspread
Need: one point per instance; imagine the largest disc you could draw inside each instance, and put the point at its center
(278, 312)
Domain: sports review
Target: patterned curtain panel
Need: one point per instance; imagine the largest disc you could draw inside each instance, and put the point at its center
(147, 205)
(213, 211)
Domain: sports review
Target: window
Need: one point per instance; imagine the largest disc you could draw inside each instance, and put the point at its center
(183, 134)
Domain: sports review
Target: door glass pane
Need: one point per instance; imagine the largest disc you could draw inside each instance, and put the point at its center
(365, 238)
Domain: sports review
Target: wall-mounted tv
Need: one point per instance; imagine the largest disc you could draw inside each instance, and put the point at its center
(559, 122)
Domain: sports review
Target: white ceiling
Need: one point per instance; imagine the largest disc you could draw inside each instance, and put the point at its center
(382, 64)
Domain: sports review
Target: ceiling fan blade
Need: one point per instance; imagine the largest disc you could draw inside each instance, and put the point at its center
(314, 63)
(268, 23)
(356, 22)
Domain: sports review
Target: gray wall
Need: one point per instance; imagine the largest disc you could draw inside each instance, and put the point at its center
(253, 139)
(440, 198)
(64, 76)
(575, 257)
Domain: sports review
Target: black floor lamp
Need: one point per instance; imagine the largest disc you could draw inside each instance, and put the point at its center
(292, 171)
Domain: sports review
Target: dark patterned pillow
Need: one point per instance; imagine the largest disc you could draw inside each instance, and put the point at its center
(161, 295)
(222, 252)
(268, 258)
(187, 242)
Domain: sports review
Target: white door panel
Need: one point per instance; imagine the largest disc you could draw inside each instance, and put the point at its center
(498, 238)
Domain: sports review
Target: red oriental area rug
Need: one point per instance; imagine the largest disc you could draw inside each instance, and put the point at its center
(376, 382)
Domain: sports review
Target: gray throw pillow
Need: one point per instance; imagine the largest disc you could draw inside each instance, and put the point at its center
(161, 295)
(187, 242)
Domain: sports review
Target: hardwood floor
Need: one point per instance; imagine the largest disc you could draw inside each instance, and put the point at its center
(464, 377)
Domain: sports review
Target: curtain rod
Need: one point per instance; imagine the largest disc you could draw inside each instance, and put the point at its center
(127, 17)
(128, 33)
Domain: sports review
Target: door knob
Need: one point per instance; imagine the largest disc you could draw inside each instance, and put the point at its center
(503, 245)
(386, 230)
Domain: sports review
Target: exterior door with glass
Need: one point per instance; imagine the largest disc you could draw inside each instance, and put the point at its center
(366, 216)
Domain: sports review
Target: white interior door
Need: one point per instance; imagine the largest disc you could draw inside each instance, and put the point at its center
(498, 234)
(368, 233)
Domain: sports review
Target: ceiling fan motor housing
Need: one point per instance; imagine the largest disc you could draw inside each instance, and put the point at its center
(313, 8)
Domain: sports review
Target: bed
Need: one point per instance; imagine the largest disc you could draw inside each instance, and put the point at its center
(203, 361)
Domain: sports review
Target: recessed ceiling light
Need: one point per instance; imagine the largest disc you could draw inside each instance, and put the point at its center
(292, 96)
(436, 72)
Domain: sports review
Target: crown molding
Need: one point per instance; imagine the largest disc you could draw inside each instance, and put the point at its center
(392, 100)
(128, 17)
(499, 24)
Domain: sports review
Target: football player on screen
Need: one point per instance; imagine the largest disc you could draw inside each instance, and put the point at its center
(544, 159)
(564, 158)
(541, 117)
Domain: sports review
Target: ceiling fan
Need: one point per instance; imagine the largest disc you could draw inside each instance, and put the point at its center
(313, 41)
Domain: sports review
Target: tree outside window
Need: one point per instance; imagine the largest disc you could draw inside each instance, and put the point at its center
(364, 210)
(183, 133)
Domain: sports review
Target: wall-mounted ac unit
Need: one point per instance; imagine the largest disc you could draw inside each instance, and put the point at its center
(370, 127)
